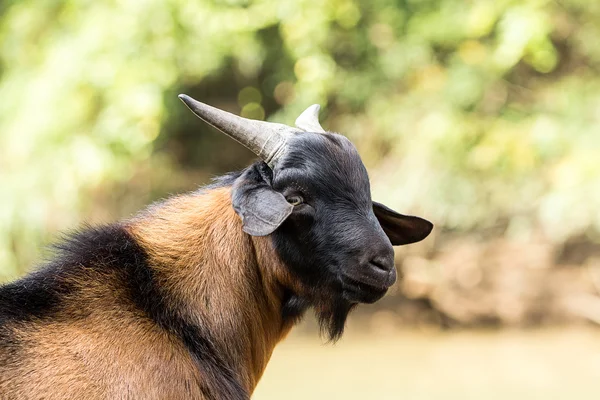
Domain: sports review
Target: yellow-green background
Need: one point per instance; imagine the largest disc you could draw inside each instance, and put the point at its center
(482, 116)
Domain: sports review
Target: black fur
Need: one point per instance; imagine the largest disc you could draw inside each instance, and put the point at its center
(110, 251)
(338, 242)
(39, 296)
(319, 242)
(334, 233)
(294, 307)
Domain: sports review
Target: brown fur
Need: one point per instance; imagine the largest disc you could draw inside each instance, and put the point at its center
(111, 353)
(215, 275)
(219, 275)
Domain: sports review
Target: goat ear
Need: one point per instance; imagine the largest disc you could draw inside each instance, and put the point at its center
(401, 229)
(261, 208)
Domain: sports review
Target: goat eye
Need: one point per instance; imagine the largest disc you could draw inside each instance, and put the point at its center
(295, 200)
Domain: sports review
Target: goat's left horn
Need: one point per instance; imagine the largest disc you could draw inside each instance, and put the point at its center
(308, 121)
(265, 139)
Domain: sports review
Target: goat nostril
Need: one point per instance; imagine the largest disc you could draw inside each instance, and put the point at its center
(382, 265)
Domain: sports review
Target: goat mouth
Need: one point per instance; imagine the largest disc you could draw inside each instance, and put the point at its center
(356, 291)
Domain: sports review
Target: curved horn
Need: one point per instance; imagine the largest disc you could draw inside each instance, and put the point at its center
(265, 139)
(308, 121)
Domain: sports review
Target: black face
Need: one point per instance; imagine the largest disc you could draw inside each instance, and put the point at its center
(317, 206)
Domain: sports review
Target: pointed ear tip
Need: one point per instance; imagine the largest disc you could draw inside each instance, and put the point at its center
(427, 229)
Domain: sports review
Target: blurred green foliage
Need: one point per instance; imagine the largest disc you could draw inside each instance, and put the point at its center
(475, 114)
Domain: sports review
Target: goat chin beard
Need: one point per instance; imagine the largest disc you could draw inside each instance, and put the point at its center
(332, 318)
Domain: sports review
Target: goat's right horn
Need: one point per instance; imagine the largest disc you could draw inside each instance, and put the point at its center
(265, 139)
(308, 121)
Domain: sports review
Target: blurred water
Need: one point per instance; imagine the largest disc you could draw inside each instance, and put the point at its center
(414, 365)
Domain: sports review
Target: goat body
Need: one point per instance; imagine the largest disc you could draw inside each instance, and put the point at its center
(175, 303)
(188, 299)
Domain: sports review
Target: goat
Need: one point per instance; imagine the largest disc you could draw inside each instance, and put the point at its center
(188, 298)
